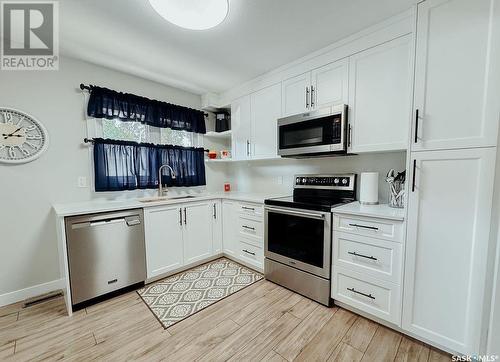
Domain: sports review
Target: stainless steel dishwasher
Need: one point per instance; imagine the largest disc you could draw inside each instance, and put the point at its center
(106, 252)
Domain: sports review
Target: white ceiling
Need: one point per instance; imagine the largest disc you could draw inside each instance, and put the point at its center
(256, 37)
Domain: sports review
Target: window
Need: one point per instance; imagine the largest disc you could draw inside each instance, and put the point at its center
(134, 131)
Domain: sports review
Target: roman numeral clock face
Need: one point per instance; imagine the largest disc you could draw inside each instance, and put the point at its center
(22, 137)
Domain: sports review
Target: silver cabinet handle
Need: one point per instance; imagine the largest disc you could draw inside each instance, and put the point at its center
(180, 216)
(364, 227)
(248, 208)
(361, 293)
(248, 252)
(185, 217)
(361, 255)
(215, 212)
(299, 213)
(248, 227)
(312, 96)
(248, 148)
(307, 97)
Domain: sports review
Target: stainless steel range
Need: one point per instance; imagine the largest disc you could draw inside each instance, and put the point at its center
(298, 233)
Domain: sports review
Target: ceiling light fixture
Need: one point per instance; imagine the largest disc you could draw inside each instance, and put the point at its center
(192, 14)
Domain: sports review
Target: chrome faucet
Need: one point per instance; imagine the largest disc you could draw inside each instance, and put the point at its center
(161, 190)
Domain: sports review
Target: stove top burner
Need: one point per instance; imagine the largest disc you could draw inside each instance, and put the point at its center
(319, 192)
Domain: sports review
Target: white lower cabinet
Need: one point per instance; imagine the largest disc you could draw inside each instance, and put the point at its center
(449, 211)
(217, 226)
(367, 260)
(229, 231)
(197, 232)
(244, 232)
(181, 234)
(380, 298)
(164, 244)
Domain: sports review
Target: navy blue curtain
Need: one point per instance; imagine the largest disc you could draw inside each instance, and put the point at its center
(124, 165)
(109, 104)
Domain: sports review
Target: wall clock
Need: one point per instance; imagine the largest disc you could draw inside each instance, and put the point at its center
(22, 137)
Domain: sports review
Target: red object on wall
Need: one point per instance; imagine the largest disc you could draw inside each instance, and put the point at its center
(227, 187)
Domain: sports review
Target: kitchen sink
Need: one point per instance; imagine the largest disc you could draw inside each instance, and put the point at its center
(165, 198)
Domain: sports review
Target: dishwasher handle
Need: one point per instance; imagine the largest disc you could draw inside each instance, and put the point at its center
(130, 221)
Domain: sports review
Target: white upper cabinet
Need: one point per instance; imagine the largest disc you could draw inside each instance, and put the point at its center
(197, 231)
(447, 246)
(164, 243)
(329, 85)
(380, 95)
(241, 124)
(296, 94)
(456, 91)
(321, 87)
(265, 110)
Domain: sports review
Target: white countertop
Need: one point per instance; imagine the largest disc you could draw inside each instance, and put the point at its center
(88, 207)
(380, 211)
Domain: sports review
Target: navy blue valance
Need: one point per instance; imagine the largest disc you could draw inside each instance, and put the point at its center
(124, 165)
(109, 104)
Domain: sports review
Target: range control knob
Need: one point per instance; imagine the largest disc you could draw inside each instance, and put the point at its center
(336, 180)
(344, 181)
(304, 180)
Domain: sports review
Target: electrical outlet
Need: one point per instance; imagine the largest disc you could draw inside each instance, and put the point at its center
(82, 181)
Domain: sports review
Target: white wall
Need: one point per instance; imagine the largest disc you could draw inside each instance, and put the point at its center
(28, 248)
(277, 176)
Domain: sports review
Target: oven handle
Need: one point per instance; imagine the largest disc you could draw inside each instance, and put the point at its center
(299, 213)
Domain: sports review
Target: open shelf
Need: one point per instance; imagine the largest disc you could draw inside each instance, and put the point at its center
(225, 134)
(208, 160)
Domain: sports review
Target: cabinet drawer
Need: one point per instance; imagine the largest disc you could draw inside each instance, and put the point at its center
(251, 254)
(378, 228)
(378, 258)
(250, 228)
(379, 298)
(251, 209)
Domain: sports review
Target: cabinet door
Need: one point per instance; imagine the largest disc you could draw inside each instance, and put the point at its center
(380, 96)
(296, 94)
(164, 244)
(330, 84)
(265, 111)
(456, 84)
(240, 124)
(230, 228)
(217, 226)
(447, 244)
(197, 232)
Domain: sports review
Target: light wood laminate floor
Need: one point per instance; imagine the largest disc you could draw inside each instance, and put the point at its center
(263, 322)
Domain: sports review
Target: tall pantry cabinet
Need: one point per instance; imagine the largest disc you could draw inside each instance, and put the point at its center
(452, 163)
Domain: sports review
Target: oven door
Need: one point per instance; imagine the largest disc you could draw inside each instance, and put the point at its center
(299, 238)
(322, 131)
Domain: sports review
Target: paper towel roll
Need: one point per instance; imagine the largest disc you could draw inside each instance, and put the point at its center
(368, 193)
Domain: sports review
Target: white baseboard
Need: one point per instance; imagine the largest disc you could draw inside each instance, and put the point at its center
(34, 291)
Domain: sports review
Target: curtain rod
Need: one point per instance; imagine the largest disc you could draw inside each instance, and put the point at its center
(89, 88)
(91, 140)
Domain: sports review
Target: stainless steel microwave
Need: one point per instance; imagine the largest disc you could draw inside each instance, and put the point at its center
(317, 133)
